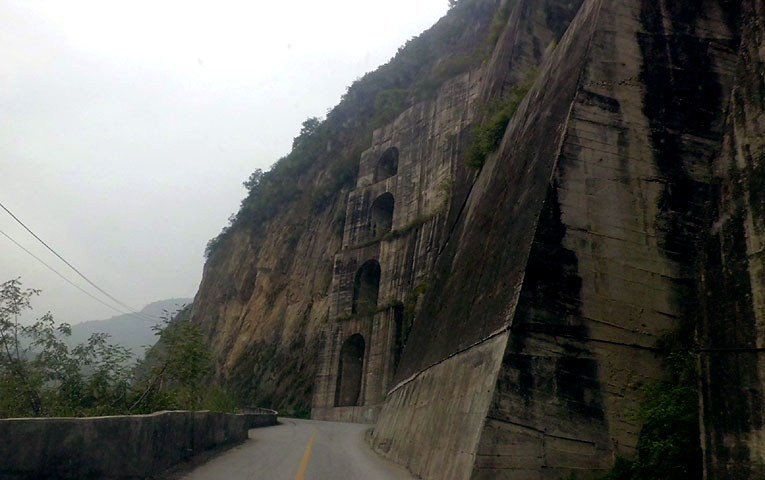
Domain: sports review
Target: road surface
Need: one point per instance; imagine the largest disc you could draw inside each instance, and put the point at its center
(302, 450)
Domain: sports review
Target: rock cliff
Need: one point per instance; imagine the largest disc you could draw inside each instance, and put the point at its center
(508, 321)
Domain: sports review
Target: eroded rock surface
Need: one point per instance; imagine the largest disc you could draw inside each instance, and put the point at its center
(500, 324)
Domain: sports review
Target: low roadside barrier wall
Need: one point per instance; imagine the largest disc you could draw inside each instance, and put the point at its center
(118, 447)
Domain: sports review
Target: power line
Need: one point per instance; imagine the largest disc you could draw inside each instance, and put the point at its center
(130, 309)
(60, 275)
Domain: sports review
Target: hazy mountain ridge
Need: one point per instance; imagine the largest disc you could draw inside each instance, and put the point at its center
(129, 330)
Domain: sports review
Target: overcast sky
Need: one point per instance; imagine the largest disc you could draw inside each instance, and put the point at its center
(127, 128)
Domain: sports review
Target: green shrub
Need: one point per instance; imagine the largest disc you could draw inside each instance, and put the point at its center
(252, 376)
(668, 444)
(342, 173)
(497, 25)
(388, 105)
(174, 373)
(269, 192)
(370, 102)
(487, 135)
(445, 70)
(218, 399)
(41, 376)
(623, 469)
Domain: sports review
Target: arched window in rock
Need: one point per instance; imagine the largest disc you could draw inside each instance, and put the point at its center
(381, 215)
(387, 166)
(365, 288)
(349, 372)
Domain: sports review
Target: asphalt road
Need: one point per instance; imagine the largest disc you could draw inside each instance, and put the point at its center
(302, 450)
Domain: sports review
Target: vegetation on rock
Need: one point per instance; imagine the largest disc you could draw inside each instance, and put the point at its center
(174, 374)
(497, 26)
(257, 377)
(40, 375)
(488, 134)
(668, 445)
(333, 146)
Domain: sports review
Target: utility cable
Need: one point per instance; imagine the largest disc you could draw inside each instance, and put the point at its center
(128, 307)
(61, 275)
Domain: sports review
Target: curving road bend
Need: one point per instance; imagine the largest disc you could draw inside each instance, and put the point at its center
(302, 450)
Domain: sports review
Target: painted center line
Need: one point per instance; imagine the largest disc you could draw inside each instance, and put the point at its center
(304, 464)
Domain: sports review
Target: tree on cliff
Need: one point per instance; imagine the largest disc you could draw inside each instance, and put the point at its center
(40, 375)
(175, 372)
(19, 383)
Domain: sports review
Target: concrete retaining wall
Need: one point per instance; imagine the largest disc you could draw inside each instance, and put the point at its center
(133, 446)
(365, 414)
(432, 424)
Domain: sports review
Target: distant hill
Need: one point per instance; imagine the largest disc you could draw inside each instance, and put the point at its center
(128, 330)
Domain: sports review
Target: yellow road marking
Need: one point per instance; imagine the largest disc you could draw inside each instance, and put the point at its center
(304, 464)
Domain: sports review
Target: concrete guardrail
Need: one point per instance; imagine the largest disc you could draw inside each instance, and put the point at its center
(118, 447)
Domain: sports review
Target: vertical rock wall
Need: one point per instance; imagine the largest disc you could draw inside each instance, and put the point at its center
(614, 263)
(458, 339)
(642, 230)
(267, 290)
(624, 206)
(732, 330)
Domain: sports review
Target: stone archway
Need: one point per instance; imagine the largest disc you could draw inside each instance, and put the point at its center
(366, 286)
(350, 370)
(381, 215)
(387, 166)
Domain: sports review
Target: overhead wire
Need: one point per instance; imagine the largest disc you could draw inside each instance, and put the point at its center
(132, 311)
(60, 275)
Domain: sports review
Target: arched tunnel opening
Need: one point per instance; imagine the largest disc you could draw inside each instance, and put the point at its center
(381, 215)
(387, 166)
(366, 286)
(349, 372)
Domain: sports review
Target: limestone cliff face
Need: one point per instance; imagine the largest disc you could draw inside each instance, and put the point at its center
(732, 275)
(266, 294)
(499, 324)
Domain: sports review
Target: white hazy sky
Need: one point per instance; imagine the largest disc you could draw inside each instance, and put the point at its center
(127, 128)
